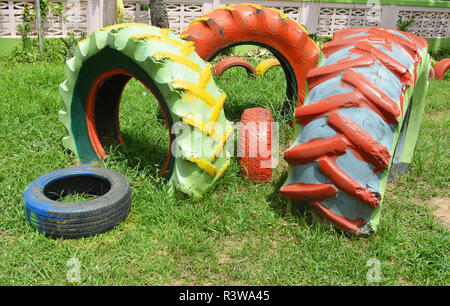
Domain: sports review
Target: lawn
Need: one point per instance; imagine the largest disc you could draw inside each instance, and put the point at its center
(240, 233)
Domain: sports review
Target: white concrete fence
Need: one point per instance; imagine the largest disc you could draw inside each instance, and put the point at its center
(319, 17)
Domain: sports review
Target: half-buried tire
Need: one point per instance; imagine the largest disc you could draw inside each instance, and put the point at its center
(240, 24)
(77, 219)
(231, 62)
(370, 83)
(441, 68)
(179, 79)
(265, 65)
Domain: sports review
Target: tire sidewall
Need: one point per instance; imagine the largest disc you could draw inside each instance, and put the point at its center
(118, 196)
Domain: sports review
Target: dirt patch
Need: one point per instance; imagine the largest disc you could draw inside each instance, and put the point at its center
(185, 280)
(231, 246)
(442, 211)
(6, 234)
(440, 114)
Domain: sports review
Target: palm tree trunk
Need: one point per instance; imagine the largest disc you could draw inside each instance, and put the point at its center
(158, 13)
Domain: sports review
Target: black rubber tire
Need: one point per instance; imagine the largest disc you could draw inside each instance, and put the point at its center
(77, 219)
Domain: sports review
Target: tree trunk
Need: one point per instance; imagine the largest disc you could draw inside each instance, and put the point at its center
(158, 13)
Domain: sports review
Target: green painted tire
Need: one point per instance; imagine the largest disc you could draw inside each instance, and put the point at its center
(179, 79)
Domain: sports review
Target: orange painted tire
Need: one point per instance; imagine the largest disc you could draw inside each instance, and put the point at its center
(441, 68)
(255, 132)
(239, 24)
(230, 62)
(432, 74)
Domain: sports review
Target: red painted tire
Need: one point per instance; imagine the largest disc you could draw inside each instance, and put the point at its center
(239, 24)
(441, 68)
(359, 99)
(230, 62)
(256, 131)
(432, 74)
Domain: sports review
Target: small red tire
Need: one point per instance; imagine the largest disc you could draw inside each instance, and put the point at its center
(230, 62)
(255, 144)
(441, 68)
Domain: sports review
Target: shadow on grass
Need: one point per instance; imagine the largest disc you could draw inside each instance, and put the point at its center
(144, 155)
(234, 112)
(277, 203)
(141, 153)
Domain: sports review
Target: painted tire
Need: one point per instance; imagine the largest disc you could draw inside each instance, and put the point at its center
(432, 75)
(265, 65)
(255, 131)
(77, 219)
(441, 68)
(351, 123)
(179, 79)
(230, 62)
(239, 24)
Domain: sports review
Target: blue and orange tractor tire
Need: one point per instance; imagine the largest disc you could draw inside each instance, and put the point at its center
(361, 118)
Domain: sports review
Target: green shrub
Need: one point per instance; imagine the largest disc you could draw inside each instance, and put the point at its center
(440, 54)
(404, 25)
(53, 51)
(70, 43)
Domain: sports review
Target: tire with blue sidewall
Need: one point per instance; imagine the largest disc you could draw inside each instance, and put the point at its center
(370, 83)
(77, 219)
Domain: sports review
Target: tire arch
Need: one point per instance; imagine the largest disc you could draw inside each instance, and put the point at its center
(265, 65)
(239, 24)
(179, 79)
(441, 68)
(231, 62)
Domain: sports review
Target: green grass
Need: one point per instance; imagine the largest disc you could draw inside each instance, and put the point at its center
(7, 45)
(240, 233)
(76, 197)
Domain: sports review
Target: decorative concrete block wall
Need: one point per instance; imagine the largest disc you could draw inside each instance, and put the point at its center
(320, 17)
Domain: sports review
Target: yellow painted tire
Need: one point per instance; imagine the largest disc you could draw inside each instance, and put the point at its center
(265, 65)
(178, 78)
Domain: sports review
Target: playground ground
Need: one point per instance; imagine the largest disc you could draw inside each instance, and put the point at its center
(240, 233)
